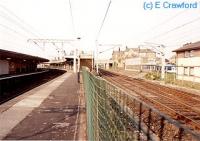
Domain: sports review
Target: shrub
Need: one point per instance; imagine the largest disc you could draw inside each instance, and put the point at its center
(153, 76)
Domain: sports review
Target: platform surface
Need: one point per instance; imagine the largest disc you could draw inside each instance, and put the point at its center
(48, 112)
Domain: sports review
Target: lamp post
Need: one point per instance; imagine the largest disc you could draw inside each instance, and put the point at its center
(78, 53)
(140, 60)
(97, 54)
(163, 62)
(78, 59)
(74, 60)
(75, 56)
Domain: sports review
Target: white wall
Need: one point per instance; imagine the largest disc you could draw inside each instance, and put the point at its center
(4, 67)
(193, 61)
(133, 61)
(189, 62)
(188, 78)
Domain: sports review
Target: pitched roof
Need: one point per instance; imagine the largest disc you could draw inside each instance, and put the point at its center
(146, 51)
(133, 49)
(188, 46)
(141, 50)
(118, 52)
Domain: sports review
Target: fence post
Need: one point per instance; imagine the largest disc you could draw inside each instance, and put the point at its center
(180, 134)
(149, 125)
(1, 91)
(140, 120)
(161, 128)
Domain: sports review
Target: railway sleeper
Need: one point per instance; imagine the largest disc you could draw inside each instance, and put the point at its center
(189, 114)
(182, 110)
(186, 113)
(197, 119)
(184, 118)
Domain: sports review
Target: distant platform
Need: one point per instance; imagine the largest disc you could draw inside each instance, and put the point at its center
(14, 62)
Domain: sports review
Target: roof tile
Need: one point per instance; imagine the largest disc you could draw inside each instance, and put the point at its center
(189, 46)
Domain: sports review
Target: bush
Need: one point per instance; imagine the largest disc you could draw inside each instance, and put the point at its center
(153, 76)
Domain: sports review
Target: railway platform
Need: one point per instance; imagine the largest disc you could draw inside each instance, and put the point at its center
(52, 111)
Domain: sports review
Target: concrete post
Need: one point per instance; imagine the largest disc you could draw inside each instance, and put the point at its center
(78, 62)
(74, 60)
(92, 60)
(163, 64)
(97, 54)
(79, 58)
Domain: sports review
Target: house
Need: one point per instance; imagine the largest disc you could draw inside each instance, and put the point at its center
(118, 59)
(136, 59)
(119, 56)
(143, 60)
(188, 62)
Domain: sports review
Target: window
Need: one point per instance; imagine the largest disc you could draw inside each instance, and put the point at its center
(191, 53)
(185, 70)
(187, 53)
(191, 71)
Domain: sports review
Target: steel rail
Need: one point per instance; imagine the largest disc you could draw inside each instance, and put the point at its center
(22, 75)
(174, 106)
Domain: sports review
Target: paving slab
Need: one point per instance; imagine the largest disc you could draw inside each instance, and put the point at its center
(51, 113)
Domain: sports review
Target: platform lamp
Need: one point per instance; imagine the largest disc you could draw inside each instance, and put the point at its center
(97, 55)
(78, 39)
(75, 56)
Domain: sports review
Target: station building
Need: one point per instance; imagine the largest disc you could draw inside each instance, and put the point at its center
(86, 60)
(16, 63)
(67, 62)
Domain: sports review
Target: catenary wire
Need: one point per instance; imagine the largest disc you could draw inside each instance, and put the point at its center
(98, 34)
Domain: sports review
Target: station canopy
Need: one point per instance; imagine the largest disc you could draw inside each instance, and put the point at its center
(7, 55)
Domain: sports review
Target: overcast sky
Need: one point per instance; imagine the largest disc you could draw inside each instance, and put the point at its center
(127, 23)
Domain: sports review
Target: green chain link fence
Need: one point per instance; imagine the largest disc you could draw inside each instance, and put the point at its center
(113, 114)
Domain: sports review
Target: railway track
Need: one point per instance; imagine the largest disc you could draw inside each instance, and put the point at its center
(181, 106)
(11, 87)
